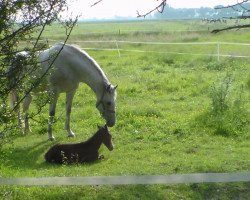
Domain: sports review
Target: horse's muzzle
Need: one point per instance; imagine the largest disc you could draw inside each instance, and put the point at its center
(110, 123)
(111, 148)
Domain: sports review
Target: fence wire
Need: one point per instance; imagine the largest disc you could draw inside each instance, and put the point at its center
(215, 47)
(131, 180)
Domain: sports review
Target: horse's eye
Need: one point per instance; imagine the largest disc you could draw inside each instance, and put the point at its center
(108, 103)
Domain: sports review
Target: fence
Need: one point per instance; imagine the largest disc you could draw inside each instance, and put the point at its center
(214, 47)
(131, 180)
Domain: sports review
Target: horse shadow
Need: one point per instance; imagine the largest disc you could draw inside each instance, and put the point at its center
(30, 157)
(25, 157)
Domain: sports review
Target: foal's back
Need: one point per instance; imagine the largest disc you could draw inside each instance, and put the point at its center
(80, 152)
(68, 153)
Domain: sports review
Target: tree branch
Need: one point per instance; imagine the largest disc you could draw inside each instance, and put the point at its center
(97, 2)
(231, 27)
(231, 6)
(238, 7)
(159, 8)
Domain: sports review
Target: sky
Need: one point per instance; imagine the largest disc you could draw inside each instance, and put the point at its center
(109, 8)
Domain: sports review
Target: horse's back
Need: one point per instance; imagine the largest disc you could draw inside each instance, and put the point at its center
(60, 63)
(71, 153)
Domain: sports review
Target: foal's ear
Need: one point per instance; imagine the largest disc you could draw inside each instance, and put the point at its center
(99, 127)
(116, 87)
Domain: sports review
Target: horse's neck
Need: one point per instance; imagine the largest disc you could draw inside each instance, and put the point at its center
(98, 86)
(96, 140)
(97, 81)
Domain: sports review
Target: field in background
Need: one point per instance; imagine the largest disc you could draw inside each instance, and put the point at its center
(175, 114)
(191, 38)
(168, 31)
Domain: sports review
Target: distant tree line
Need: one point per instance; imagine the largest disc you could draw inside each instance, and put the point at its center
(200, 13)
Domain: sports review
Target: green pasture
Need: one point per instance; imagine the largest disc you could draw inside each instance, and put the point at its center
(175, 114)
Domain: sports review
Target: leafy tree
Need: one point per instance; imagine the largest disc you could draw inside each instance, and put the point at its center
(22, 24)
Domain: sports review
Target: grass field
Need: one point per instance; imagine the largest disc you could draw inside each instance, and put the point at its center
(175, 114)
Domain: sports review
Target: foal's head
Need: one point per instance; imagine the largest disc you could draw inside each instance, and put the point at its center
(107, 138)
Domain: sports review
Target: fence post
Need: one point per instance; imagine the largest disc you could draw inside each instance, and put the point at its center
(117, 47)
(218, 51)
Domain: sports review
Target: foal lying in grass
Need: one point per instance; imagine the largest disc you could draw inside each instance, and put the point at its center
(81, 152)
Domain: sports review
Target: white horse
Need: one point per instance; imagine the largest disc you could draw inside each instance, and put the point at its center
(70, 66)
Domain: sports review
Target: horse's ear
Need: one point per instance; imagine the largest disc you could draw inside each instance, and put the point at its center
(108, 87)
(116, 87)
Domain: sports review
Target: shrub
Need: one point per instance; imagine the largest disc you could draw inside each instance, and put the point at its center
(226, 114)
(220, 96)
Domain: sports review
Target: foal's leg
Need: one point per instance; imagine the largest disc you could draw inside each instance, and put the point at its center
(52, 111)
(26, 105)
(90, 157)
(69, 99)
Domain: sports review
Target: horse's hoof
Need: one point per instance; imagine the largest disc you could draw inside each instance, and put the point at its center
(71, 135)
(51, 138)
(27, 130)
(101, 157)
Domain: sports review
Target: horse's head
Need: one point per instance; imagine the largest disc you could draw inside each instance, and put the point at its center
(106, 105)
(107, 138)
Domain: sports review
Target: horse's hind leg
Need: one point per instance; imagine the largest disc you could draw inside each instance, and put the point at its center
(15, 106)
(26, 105)
(52, 111)
(69, 99)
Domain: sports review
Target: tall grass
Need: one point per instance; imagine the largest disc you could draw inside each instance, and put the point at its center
(228, 113)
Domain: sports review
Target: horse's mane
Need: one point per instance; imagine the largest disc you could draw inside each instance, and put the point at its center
(77, 50)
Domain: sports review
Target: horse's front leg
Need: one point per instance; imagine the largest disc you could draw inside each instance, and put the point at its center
(26, 105)
(69, 100)
(52, 111)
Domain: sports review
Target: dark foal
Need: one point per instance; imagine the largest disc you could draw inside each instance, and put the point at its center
(81, 152)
